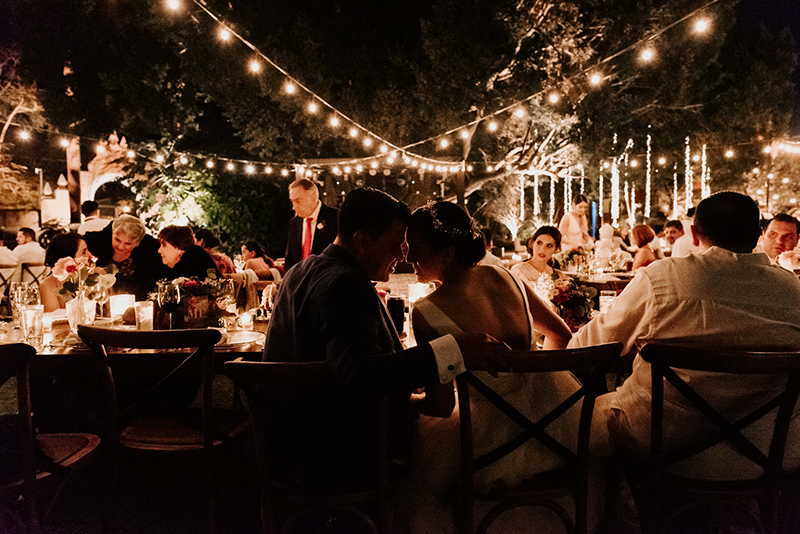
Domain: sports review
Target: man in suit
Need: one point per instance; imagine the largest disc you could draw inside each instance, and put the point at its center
(314, 225)
(327, 309)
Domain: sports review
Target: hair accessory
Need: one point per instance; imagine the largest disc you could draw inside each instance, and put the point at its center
(450, 231)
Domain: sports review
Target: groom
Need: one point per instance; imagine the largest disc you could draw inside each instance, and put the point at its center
(328, 310)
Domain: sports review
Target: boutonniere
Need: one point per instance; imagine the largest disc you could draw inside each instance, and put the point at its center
(320, 226)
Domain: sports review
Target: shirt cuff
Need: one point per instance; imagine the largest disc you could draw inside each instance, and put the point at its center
(448, 357)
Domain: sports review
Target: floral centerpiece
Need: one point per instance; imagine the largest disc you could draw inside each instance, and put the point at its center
(576, 256)
(82, 278)
(572, 302)
(203, 299)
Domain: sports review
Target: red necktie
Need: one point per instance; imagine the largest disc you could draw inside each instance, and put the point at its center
(308, 237)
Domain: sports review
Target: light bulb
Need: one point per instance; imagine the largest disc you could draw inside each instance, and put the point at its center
(268, 170)
(492, 126)
(334, 121)
(662, 161)
(469, 167)
(647, 54)
(250, 169)
(553, 98)
(353, 132)
(464, 134)
(230, 166)
(24, 135)
(224, 34)
(183, 160)
(384, 149)
(634, 163)
(347, 170)
(289, 88)
(729, 153)
(284, 172)
(359, 168)
(174, 5)
(131, 154)
(701, 25)
(210, 164)
(64, 143)
(255, 66)
(595, 79)
(519, 113)
(160, 158)
(367, 141)
(443, 143)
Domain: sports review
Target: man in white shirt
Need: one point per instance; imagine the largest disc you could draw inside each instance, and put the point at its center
(489, 258)
(28, 249)
(92, 221)
(724, 297)
(684, 245)
(780, 235)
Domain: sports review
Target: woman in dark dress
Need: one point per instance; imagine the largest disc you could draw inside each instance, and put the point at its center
(181, 256)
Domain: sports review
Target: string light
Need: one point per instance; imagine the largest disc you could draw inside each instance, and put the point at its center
(675, 190)
(688, 175)
(536, 195)
(647, 178)
(553, 98)
(600, 207)
(701, 25)
(224, 34)
(492, 126)
(230, 166)
(353, 132)
(647, 54)
(312, 107)
(519, 113)
(464, 134)
(24, 135)
(255, 66)
(174, 5)
(552, 200)
(250, 169)
(729, 154)
(335, 121)
(210, 164)
(64, 143)
(703, 175)
(443, 143)
(595, 79)
(583, 179)
(289, 88)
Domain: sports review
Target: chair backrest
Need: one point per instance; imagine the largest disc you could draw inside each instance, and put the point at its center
(202, 340)
(14, 362)
(34, 272)
(782, 396)
(597, 360)
(262, 383)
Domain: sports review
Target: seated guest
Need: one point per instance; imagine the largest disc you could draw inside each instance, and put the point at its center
(28, 250)
(257, 260)
(182, 257)
(61, 246)
(724, 297)
(205, 238)
(444, 246)
(545, 242)
(683, 245)
(672, 231)
(125, 243)
(92, 221)
(488, 243)
(642, 236)
(780, 235)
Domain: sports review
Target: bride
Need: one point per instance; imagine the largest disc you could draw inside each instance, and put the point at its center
(444, 247)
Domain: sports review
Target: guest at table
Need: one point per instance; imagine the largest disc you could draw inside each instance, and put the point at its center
(574, 226)
(257, 260)
(61, 246)
(642, 236)
(182, 257)
(28, 250)
(314, 225)
(125, 243)
(672, 231)
(683, 245)
(92, 221)
(724, 297)
(205, 238)
(445, 246)
(780, 235)
(545, 242)
(489, 258)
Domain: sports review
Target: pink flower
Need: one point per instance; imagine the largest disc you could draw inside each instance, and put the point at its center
(63, 268)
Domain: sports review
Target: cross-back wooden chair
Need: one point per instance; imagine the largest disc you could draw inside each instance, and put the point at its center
(32, 460)
(8, 274)
(144, 416)
(34, 272)
(541, 489)
(261, 382)
(655, 482)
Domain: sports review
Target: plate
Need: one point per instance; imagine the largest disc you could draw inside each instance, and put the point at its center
(241, 337)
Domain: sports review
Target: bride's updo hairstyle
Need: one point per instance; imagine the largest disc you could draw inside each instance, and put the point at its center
(443, 224)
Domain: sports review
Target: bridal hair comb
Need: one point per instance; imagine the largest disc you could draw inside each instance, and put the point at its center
(450, 231)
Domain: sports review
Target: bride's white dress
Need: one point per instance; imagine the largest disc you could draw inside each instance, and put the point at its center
(435, 450)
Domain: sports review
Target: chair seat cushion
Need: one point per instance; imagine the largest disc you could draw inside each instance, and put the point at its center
(67, 450)
(165, 433)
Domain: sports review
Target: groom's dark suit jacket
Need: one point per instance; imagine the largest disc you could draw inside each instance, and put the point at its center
(324, 234)
(327, 309)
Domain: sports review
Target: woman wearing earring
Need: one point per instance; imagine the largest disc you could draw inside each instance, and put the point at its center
(545, 242)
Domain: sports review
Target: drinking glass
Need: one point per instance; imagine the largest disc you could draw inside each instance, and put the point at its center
(169, 298)
(226, 296)
(144, 315)
(607, 299)
(22, 294)
(102, 296)
(268, 298)
(33, 324)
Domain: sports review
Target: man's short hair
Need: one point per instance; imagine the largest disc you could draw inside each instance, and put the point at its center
(674, 224)
(89, 207)
(785, 218)
(304, 183)
(371, 211)
(488, 237)
(728, 220)
(28, 232)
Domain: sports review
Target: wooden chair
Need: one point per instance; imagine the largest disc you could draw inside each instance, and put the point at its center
(655, 482)
(34, 272)
(7, 275)
(542, 488)
(42, 457)
(260, 382)
(147, 424)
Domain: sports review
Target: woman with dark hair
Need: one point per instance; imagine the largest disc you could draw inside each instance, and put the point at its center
(205, 238)
(445, 246)
(574, 225)
(545, 242)
(182, 257)
(642, 236)
(61, 246)
(257, 260)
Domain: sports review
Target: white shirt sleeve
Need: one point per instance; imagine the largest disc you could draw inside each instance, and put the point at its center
(449, 361)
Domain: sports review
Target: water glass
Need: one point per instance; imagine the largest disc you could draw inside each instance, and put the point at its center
(32, 316)
(144, 315)
(22, 294)
(606, 299)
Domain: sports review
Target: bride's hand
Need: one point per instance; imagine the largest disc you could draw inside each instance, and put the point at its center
(482, 352)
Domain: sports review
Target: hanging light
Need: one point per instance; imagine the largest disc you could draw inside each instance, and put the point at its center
(64, 142)
(131, 154)
(367, 141)
(553, 98)
(353, 132)
(24, 135)
(464, 134)
(255, 66)
(174, 5)
(268, 170)
(250, 169)
(384, 149)
(289, 88)
(230, 166)
(519, 113)
(701, 25)
(224, 34)
(729, 153)
(492, 126)
(210, 163)
(595, 79)
(647, 54)
(284, 172)
(334, 121)
(443, 143)
(312, 107)
(160, 158)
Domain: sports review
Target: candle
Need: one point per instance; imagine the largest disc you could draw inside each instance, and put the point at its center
(120, 303)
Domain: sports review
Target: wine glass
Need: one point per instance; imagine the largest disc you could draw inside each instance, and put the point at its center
(226, 296)
(169, 297)
(102, 295)
(23, 294)
(268, 298)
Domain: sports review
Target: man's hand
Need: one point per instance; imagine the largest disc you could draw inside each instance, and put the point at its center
(482, 352)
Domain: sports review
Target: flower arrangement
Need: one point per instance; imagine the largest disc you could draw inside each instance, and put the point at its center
(572, 302)
(195, 287)
(576, 256)
(202, 300)
(82, 277)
